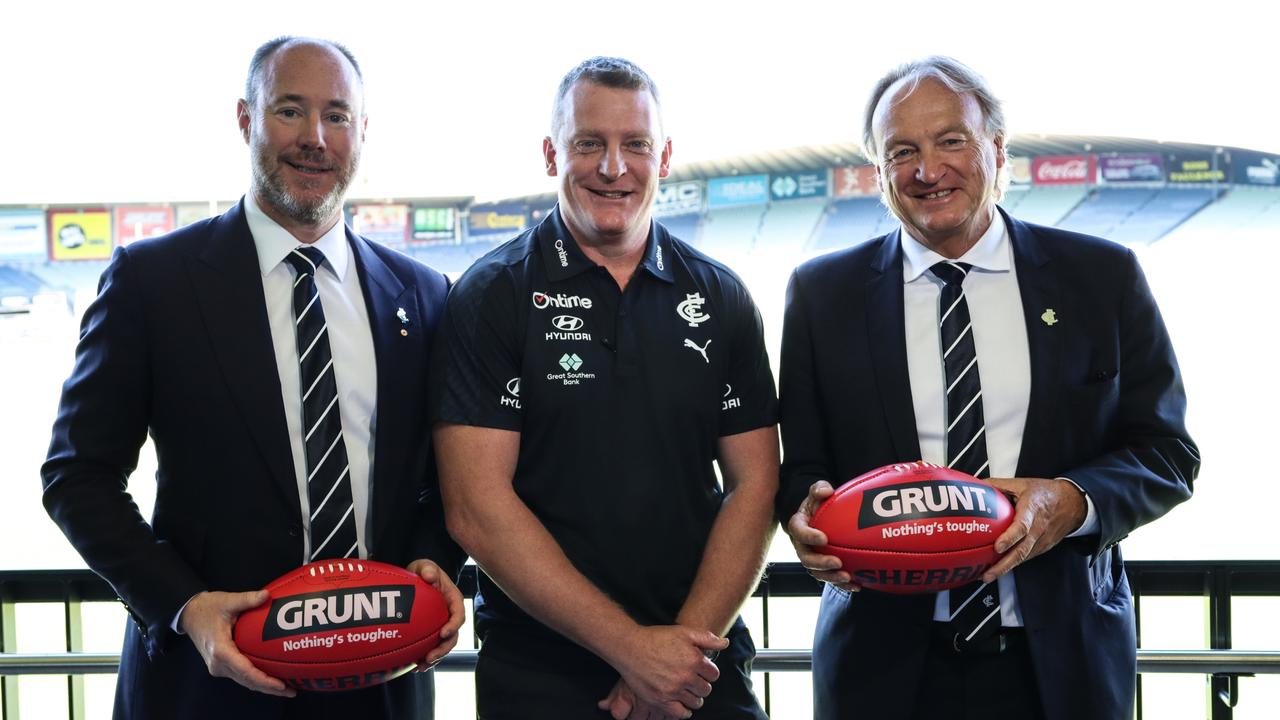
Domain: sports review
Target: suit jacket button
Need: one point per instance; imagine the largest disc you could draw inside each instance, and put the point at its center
(295, 530)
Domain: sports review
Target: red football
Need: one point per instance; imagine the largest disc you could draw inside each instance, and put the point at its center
(914, 527)
(342, 624)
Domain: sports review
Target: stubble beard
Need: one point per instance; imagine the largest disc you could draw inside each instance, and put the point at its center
(272, 189)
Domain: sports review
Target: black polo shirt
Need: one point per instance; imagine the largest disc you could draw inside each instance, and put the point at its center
(619, 397)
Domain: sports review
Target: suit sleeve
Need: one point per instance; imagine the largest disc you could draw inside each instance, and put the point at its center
(100, 427)
(805, 458)
(1154, 461)
(431, 540)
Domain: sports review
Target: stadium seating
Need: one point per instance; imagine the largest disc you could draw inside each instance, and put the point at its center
(787, 226)
(1045, 205)
(726, 231)
(851, 221)
(685, 227)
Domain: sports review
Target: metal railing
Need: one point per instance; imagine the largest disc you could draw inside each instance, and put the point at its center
(1217, 582)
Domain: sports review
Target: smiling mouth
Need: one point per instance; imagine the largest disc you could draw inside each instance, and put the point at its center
(937, 195)
(306, 170)
(610, 194)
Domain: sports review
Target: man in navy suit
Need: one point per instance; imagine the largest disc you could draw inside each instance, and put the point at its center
(192, 341)
(1084, 424)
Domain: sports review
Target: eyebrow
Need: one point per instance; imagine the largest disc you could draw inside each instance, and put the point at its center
(295, 98)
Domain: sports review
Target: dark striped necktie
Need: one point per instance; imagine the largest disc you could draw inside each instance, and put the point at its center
(333, 524)
(975, 608)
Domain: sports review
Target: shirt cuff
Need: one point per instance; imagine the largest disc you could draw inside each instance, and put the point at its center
(175, 626)
(1090, 524)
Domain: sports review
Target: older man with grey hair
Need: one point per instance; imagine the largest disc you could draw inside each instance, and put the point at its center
(1024, 354)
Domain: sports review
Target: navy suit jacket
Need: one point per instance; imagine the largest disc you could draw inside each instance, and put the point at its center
(177, 345)
(1106, 410)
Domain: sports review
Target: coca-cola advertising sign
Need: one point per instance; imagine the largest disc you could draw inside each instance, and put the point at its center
(1062, 170)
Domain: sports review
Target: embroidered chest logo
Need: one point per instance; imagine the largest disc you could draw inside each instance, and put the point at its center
(691, 309)
(700, 350)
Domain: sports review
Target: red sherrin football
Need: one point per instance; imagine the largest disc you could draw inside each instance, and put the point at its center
(342, 624)
(914, 527)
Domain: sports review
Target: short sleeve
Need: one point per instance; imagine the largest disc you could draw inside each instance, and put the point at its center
(475, 375)
(750, 398)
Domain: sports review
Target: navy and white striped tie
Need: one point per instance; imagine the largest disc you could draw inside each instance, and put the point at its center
(333, 524)
(975, 608)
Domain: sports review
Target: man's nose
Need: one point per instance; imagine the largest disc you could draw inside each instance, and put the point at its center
(311, 134)
(612, 164)
(929, 167)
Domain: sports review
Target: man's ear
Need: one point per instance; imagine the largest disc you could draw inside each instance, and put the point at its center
(549, 155)
(243, 118)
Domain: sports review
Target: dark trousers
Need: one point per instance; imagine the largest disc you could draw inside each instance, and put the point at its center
(991, 684)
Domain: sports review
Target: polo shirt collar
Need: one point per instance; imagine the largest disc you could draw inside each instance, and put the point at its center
(274, 243)
(563, 259)
(990, 253)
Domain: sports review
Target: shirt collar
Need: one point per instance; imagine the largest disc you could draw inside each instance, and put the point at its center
(273, 242)
(990, 253)
(563, 258)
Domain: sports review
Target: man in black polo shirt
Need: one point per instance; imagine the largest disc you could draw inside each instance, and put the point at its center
(592, 371)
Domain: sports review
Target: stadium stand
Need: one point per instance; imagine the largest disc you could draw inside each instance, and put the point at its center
(1043, 205)
(1167, 209)
(685, 227)
(17, 282)
(726, 231)
(788, 226)
(849, 222)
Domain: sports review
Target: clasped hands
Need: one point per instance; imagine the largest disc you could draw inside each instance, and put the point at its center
(666, 673)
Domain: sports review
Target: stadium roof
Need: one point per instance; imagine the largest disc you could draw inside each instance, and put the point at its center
(811, 157)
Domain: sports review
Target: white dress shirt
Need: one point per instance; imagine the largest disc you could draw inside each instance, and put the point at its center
(350, 341)
(1004, 365)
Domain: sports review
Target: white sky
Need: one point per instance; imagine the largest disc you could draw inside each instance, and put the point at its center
(135, 101)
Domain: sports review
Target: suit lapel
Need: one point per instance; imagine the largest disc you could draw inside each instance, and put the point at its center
(227, 282)
(385, 298)
(1041, 301)
(887, 342)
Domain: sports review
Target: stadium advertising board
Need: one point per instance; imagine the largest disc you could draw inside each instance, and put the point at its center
(678, 199)
(434, 224)
(1019, 170)
(1197, 168)
(496, 220)
(1062, 170)
(734, 191)
(137, 222)
(796, 186)
(82, 234)
(22, 236)
(1131, 167)
(1252, 168)
(855, 182)
(384, 224)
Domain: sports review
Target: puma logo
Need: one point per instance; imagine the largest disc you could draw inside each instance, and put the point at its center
(701, 350)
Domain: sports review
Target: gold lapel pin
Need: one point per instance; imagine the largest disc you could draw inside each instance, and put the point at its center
(1049, 317)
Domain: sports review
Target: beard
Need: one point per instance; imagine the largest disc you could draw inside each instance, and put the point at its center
(272, 188)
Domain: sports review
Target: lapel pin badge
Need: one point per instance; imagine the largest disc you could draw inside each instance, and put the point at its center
(1049, 317)
(404, 321)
